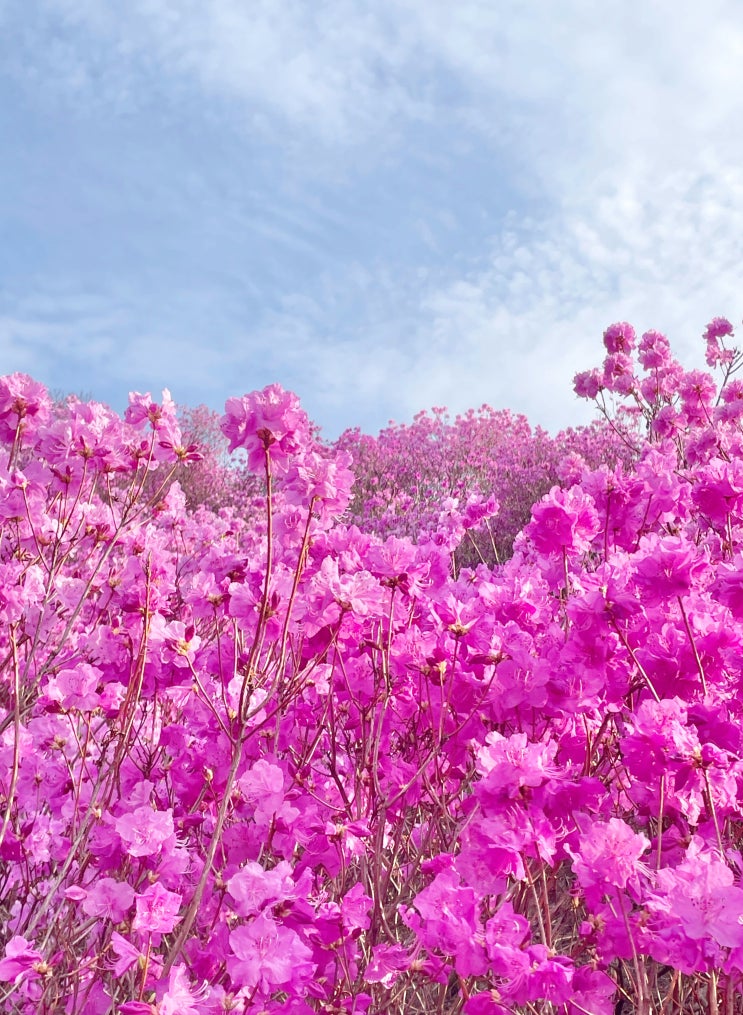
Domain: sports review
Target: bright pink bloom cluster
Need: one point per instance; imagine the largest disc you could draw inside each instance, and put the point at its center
(471, 480)
(291, 760)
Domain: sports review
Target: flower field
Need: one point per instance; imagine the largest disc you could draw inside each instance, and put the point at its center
(447, 720)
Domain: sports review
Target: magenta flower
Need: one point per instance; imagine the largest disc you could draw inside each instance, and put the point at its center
(485, 1003)
(563, 519)
(108, 899)
(21, 961)
(666, 568)
(359, 592)
(661, 741)
(541, 976)
(253, 887)
(697, 391)
(76, 688)
(718, 327)
(654, 351)
(609, 854)
(666, 422)
(21, 400)
(144, 831)
(355, 907)
(508, 764)
(386, 964)
(718, 491)
(266, 422)
(619, 338)
(592, 990)
(728, 587)
(504, 933)
(180, 998)
(325, 483)
(267, 955)
(157, 910)
(587, 384)
(700, 901)
(448, 922)
(183, 641)
(618, 373)
(263, 786)
(161, 417)
(128, 955)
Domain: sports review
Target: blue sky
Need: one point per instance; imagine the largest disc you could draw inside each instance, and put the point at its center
(382, 205)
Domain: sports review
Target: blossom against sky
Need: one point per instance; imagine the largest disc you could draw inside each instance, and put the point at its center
(380, 204)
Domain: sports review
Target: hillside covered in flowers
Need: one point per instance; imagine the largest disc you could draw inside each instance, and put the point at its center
(443, 721)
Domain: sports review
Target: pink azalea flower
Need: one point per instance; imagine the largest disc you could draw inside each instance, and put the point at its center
(355, 908)
(563, 519)
(263, 786)
(587, 384)
(718, 327)
(700, 899)
(21, 399)
(505, 933)
(618, 373)
(183, 641)
(253, 887)
(267, 955)
(666, 568)
(144, 831)
(128, 955)
(269, 421)
(654, 350)
(321, 481)
(180, 998)
(76, 688)
(157, 910)
(609, 854)
(485, 1003)
(20, 962)
(448, 922)
(161, 417)
(619, 338)
(108, 899)
(386, 964)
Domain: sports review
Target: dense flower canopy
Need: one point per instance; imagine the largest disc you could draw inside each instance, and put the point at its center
(384, 742)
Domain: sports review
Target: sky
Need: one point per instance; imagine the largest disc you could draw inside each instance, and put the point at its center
(383, 205)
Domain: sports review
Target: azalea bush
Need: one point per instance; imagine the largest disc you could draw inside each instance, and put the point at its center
(487, 467)
(283, 760)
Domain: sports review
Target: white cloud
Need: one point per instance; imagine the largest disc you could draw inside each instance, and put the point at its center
(622, 78)
(514, 330)
(615, 125)
(368, 344)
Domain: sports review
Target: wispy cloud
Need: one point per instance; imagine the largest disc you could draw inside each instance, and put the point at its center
(636, 81)
(514, 330)
(383, 205)
(533, 313)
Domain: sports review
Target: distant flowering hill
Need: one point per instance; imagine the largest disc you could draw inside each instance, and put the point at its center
(411, 479)
(270, 741)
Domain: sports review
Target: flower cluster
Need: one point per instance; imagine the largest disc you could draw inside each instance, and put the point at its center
(475, 477)
(292, 760)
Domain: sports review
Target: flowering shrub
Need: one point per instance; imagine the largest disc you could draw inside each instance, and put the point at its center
(205, 471)
(293, 764)
(416, 480)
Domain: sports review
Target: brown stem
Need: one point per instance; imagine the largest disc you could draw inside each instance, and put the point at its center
(193, 907)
